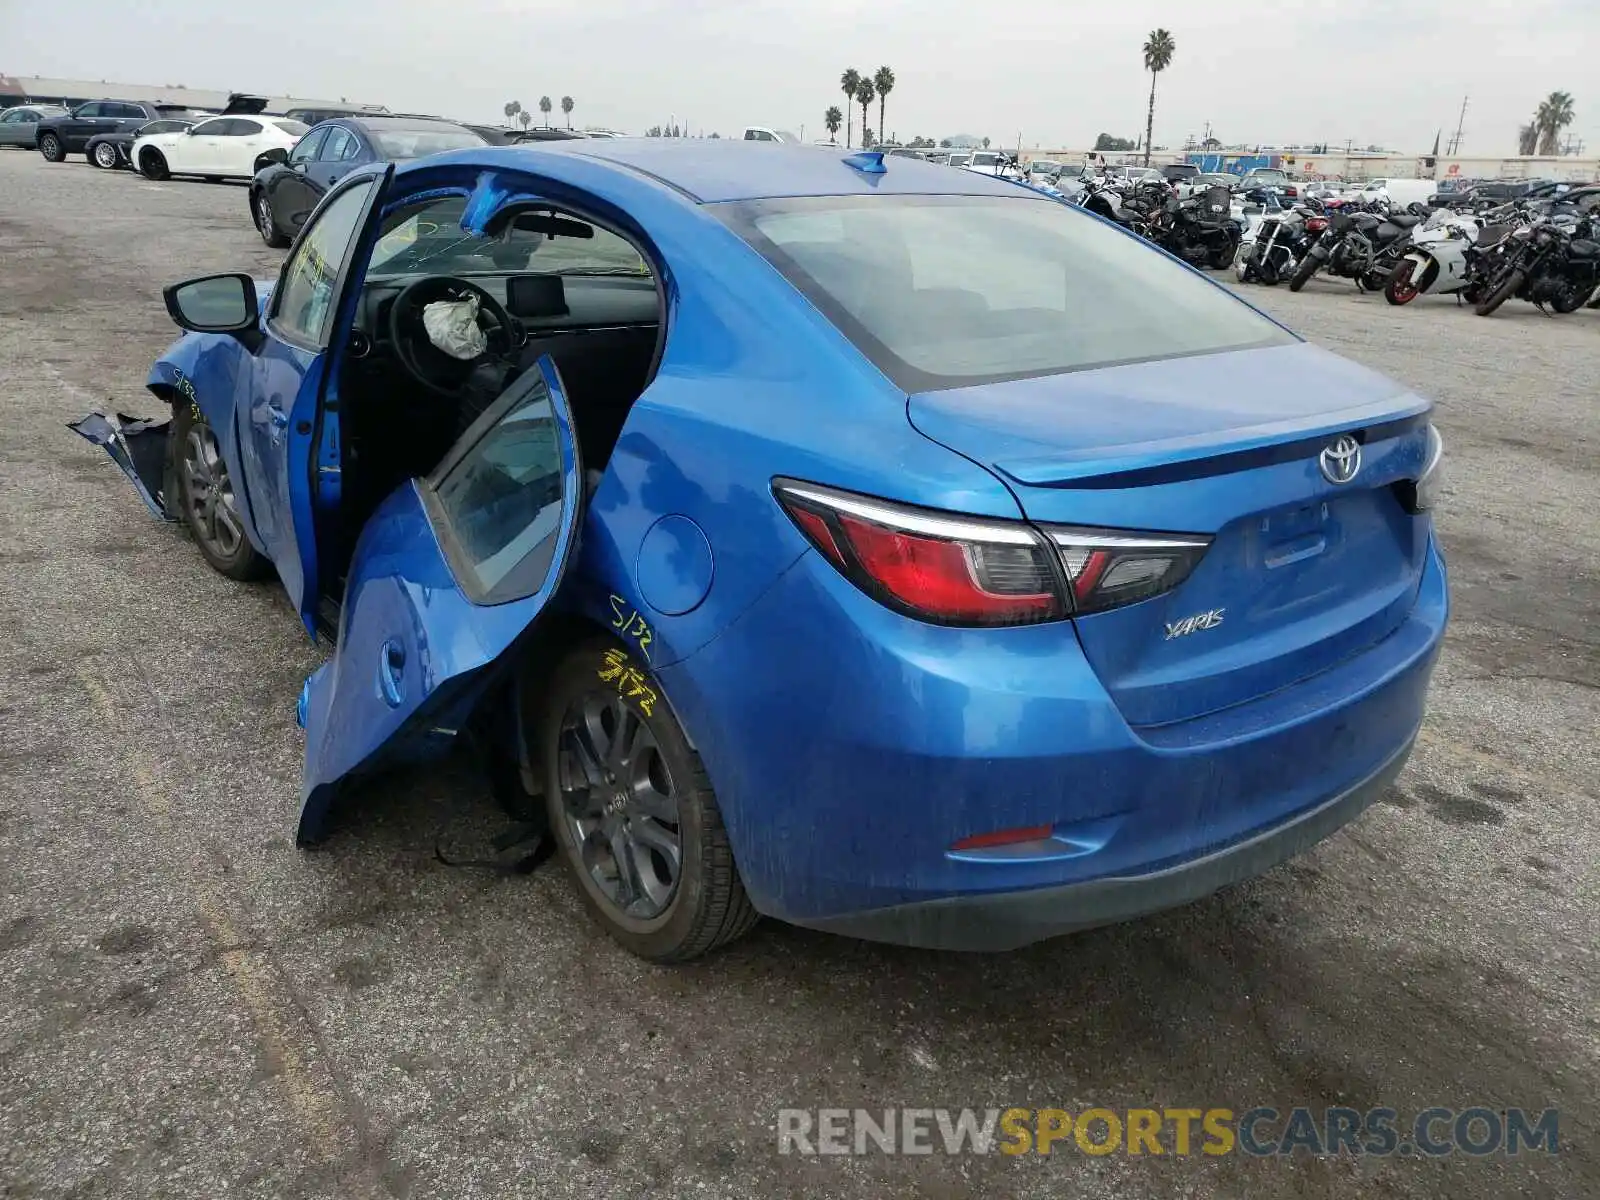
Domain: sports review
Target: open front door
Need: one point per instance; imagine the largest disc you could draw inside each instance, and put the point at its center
(308, 326)
(446, 577)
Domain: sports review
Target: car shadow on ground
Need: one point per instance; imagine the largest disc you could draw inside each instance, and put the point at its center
(1281, 991)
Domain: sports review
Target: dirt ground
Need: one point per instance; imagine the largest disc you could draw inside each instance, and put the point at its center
(189, 1006)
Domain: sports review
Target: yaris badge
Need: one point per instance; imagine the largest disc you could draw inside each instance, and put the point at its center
(1205, 620)
(1341, 460)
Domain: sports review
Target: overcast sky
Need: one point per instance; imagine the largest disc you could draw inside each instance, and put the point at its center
(1385, 71)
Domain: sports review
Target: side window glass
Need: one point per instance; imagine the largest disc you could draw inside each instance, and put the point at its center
(334, 149)
(210, 128)
(304, 304)
(502, 497)
(89, 110)
(241, 128)
(132, 111)
(306, 148)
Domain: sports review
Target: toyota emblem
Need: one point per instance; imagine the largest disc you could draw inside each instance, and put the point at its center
(1341, 460)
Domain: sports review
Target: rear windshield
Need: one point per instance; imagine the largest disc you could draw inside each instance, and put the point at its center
(952, 291)
(398, 144)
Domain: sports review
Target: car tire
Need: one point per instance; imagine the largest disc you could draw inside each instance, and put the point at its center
(206, 498)
(153, 164)
(1501, 294)
(266, 224)
(621, 795)
(52, 148)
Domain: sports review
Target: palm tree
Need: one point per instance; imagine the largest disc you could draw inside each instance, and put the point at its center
(545, 106)
(849, 84)
(1528, 136)
(1555, 114)
(883, 81)
(512, 108)
(525, 117)
(1157, 58)
(865, 95)
(832, 119)
(566, 107)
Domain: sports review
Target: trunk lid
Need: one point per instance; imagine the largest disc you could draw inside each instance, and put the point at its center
(1302, 572)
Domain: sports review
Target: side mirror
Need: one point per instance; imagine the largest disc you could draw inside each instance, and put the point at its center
(275, 155)
(214, 304)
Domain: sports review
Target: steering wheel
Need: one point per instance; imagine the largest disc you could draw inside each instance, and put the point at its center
(430, 366)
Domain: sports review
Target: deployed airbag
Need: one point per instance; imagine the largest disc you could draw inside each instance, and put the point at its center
(452, 325)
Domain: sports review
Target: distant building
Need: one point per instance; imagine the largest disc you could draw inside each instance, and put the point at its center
(24, 89)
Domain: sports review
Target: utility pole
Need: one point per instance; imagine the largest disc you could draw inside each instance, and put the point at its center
(1455, 140)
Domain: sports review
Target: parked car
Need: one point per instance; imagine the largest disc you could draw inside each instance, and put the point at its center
(1398, 192)
(218, 148)
(1180, 173)
(494, 135)
(547, 133)
(19, 125)
(316, 116)
(1082, 589)
(290, 183)
(993, 162)
(109, 151)
(69, 133)
(1269, 177)
(763, 133)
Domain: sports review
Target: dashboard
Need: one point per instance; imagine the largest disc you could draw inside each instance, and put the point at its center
(542, 302)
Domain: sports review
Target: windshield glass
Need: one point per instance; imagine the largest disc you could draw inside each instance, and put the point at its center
(428, 237)
(1058, 291)
(399, 144)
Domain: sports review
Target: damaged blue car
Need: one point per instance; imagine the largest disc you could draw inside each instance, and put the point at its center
(878, 547)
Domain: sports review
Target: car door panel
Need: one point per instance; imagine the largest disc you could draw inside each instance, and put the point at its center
(291, 190)
(282, 419)
(236, 153)
(419, 637)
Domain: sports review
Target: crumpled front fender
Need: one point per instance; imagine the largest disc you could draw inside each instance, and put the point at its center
(139, 447)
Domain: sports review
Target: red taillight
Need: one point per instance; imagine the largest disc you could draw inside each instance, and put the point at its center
(938, 567)
(958, 570)
(1316, 224)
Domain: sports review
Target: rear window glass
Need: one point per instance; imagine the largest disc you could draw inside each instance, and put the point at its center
(400, 144)
(951, 291)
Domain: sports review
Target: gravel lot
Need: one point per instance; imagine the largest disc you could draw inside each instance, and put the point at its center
(191, 1007)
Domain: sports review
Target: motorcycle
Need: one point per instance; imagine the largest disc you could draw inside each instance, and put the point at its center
(1442, 256)
(1105, 200)
(1273, 248)
(1553, 261)
(1200, 230)
(1359, 245)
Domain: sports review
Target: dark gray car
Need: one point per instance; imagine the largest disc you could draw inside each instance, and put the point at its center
(19, 126)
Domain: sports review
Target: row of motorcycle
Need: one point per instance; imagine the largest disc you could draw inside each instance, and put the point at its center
(1547, 253)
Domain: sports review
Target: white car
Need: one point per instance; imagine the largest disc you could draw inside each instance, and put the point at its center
(992, 162)
(221, 148)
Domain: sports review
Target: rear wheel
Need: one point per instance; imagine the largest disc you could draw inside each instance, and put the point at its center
(153, 164)
(52, 148)
(208, 500)
(261, 207)
(1303, 273)
(1506, 289)
(104, 156)
(632, 810)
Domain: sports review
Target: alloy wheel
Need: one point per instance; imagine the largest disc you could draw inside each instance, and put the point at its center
(264, 215)
(213, 509)
(105, 155)
(621, 806)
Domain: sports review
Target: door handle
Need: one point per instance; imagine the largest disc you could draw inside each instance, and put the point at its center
(334, 177)
(279, 418)
(391, 673)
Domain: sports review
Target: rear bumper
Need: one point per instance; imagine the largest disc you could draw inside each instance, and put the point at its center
(851, 749)
(1012, 919)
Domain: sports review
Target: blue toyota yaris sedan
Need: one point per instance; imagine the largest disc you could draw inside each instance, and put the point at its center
(879, 547)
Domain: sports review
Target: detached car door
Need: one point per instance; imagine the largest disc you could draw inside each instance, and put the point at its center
(291, 371)
(448, 574)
